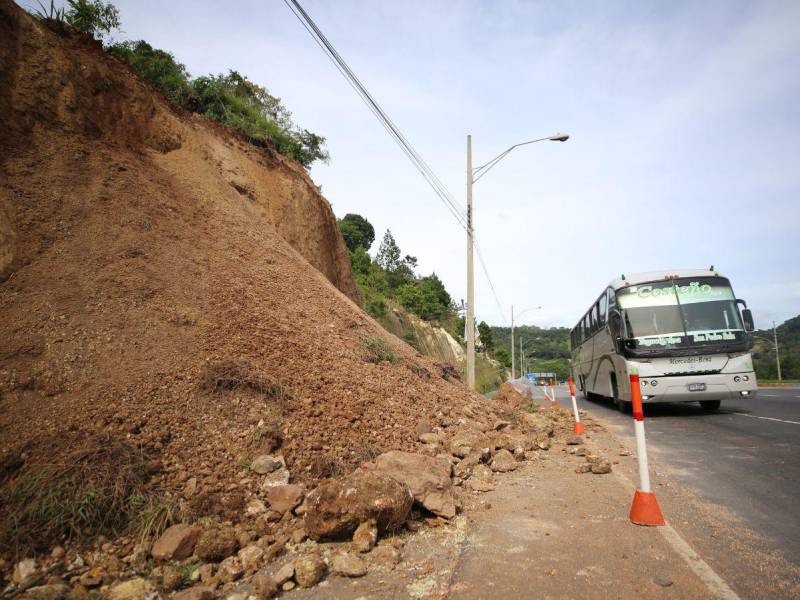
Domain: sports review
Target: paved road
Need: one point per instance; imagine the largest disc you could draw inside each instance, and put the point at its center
(745, 457)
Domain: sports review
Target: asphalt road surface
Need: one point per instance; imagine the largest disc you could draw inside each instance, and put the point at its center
(745, 457)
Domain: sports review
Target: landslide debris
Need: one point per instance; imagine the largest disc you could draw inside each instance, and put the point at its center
(146, 300)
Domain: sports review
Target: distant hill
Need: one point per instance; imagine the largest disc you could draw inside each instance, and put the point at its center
(789, 346)
(546, 349)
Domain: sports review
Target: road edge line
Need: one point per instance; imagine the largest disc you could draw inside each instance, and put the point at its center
(713, 582)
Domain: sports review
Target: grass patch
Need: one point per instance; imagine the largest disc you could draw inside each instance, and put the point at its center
(236, 374)
(532, 408)
(186, 571)
(151, 515)
(95, 489)
(377, 350)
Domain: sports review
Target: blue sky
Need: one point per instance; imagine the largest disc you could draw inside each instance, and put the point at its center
(684, 117)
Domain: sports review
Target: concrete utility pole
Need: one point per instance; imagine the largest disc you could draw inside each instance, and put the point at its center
(512, 343)
(777, 355)
(470, 276)
(472, 176)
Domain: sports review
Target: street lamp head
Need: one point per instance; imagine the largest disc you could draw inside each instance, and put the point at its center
(559, 137)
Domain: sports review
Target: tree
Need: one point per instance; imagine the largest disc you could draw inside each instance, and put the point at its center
(360, 261)
(92, 16)
(485, 333)
(388, 253)
(356, 231)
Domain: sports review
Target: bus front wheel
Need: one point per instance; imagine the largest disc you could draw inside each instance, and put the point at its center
(710, 404)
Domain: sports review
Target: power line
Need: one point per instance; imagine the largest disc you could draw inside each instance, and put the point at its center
(416, 159)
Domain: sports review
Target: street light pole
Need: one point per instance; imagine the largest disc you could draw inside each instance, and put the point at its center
(512, 343)
(777, 355)
(470, 276)
(472, 176)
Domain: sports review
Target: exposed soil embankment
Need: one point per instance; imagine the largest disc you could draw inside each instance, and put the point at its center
(170, 285)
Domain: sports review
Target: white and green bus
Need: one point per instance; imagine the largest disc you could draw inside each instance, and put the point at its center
(681, 331)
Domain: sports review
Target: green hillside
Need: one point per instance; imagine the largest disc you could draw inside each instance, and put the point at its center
(546, 349)
(789, 346)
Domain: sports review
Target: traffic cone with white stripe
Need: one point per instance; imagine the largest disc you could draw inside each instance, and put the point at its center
(645, 509)
(578, 426)
(553, 393)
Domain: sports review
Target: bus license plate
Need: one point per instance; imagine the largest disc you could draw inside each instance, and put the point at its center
(697, 387)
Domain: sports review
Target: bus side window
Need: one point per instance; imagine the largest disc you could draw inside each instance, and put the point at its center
(595, 321)
(602, 305)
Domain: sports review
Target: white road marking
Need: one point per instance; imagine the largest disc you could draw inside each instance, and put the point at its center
(769, 395)
(768, 418)
(715, 584)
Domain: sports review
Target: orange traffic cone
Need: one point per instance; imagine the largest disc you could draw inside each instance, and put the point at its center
(645, 509)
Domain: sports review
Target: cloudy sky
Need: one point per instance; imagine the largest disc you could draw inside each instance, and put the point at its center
(684, 120)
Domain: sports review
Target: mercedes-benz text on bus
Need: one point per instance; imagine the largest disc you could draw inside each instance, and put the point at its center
(681, 331)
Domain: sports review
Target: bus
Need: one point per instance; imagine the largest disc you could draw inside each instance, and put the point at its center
(682, 331)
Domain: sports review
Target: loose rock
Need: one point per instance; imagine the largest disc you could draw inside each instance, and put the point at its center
(216, 544)
(284, 574)
(265, 464)
(309, 570)
(283, 498)
(176, 543)
(366, 536)
(336, 508)
(198, 592)
(601, 467)
(264, 585)
(348, 565)
(133, 589)
(503, 461)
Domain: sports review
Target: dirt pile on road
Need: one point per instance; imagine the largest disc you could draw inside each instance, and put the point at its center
(167, 286)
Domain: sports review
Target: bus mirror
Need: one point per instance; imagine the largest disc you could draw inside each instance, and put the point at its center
(747, 317)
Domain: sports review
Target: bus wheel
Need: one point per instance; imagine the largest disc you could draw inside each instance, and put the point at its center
(710, 404)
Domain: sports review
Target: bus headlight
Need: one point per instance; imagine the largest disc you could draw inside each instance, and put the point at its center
(654, 383)
(644, 382)
(746, 377)
(645, 397)
(737, 379)
(744, 393)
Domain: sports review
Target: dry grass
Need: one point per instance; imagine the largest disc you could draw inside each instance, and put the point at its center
(87, 491)
(236, 374)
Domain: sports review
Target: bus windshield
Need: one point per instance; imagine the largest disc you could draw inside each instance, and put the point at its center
(680, 313)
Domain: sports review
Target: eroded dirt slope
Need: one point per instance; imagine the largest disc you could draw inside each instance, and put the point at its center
(174, 287)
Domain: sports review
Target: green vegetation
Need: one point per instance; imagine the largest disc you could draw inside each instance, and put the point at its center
(488, 375)
(390, 278)
(231, 99)
(547, 350)
(763, 351)
(377, 350)
(356, 231)
(95, 17)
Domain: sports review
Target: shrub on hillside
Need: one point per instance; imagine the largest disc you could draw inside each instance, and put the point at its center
(248, 108)
(159, 68)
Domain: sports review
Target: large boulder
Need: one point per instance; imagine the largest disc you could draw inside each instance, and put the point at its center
(337, 507)
(176, 543)
(427, 477)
